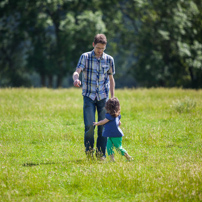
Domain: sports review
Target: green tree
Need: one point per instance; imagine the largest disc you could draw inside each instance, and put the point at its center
(161, 35)
(12, 52)
(50, 34)
(63, 30)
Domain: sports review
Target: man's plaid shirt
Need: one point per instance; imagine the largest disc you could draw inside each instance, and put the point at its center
(95, 77)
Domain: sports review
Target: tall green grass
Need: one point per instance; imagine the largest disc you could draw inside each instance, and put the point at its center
(42, 153)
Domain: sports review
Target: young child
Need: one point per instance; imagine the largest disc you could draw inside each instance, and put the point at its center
(112, 130)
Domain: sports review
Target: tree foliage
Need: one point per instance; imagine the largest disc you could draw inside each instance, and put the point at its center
(12, 46)
(165, 41)
(158, 42)
(55, 31)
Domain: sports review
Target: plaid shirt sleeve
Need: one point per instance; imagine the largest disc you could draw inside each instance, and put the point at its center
(82, 62)
(111, 71)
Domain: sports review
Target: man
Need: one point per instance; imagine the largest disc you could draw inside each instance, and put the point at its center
(97, 70)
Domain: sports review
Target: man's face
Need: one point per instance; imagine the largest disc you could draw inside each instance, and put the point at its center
(99, 49)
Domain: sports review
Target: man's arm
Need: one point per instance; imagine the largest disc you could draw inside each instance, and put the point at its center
(112, 85)
(75, 77)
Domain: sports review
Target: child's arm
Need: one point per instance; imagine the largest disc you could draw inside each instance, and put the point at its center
(102, 122)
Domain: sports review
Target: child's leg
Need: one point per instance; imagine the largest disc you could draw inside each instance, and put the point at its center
(110, 148)
(128, 157)
(117, 141)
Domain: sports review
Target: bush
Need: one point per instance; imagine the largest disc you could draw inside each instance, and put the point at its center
(185, 105)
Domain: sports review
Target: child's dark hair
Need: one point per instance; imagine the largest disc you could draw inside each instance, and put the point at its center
(113, 107)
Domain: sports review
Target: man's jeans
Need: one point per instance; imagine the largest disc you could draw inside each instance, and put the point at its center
(89, 109)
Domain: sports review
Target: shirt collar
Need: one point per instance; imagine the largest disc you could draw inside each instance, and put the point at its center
(93, 54)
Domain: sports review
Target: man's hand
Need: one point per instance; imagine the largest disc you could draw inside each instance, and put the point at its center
(75, 77)
(77, 83)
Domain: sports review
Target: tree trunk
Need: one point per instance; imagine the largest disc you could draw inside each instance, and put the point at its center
(194, 78)
(43, 80)
(50, 81)
(59, 81)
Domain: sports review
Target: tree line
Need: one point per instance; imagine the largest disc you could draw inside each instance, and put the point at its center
(157, 43)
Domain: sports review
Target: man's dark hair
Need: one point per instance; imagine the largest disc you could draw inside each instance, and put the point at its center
(100, 38)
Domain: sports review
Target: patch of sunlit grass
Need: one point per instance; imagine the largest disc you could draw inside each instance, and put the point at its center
(42, 153)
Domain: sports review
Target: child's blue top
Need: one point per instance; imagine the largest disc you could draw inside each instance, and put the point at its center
(111, 128)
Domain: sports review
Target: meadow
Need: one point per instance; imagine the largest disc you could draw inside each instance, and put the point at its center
(42, 152)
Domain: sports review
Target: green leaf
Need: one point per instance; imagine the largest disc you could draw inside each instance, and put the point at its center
(165, 34)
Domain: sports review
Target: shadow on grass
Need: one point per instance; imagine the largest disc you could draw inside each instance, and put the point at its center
(78, 161)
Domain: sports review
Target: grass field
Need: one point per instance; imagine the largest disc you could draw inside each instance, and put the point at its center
(42, 153)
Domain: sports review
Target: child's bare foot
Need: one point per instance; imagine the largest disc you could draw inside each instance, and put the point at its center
(101, 158)
(112, 158)
(128, 157)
